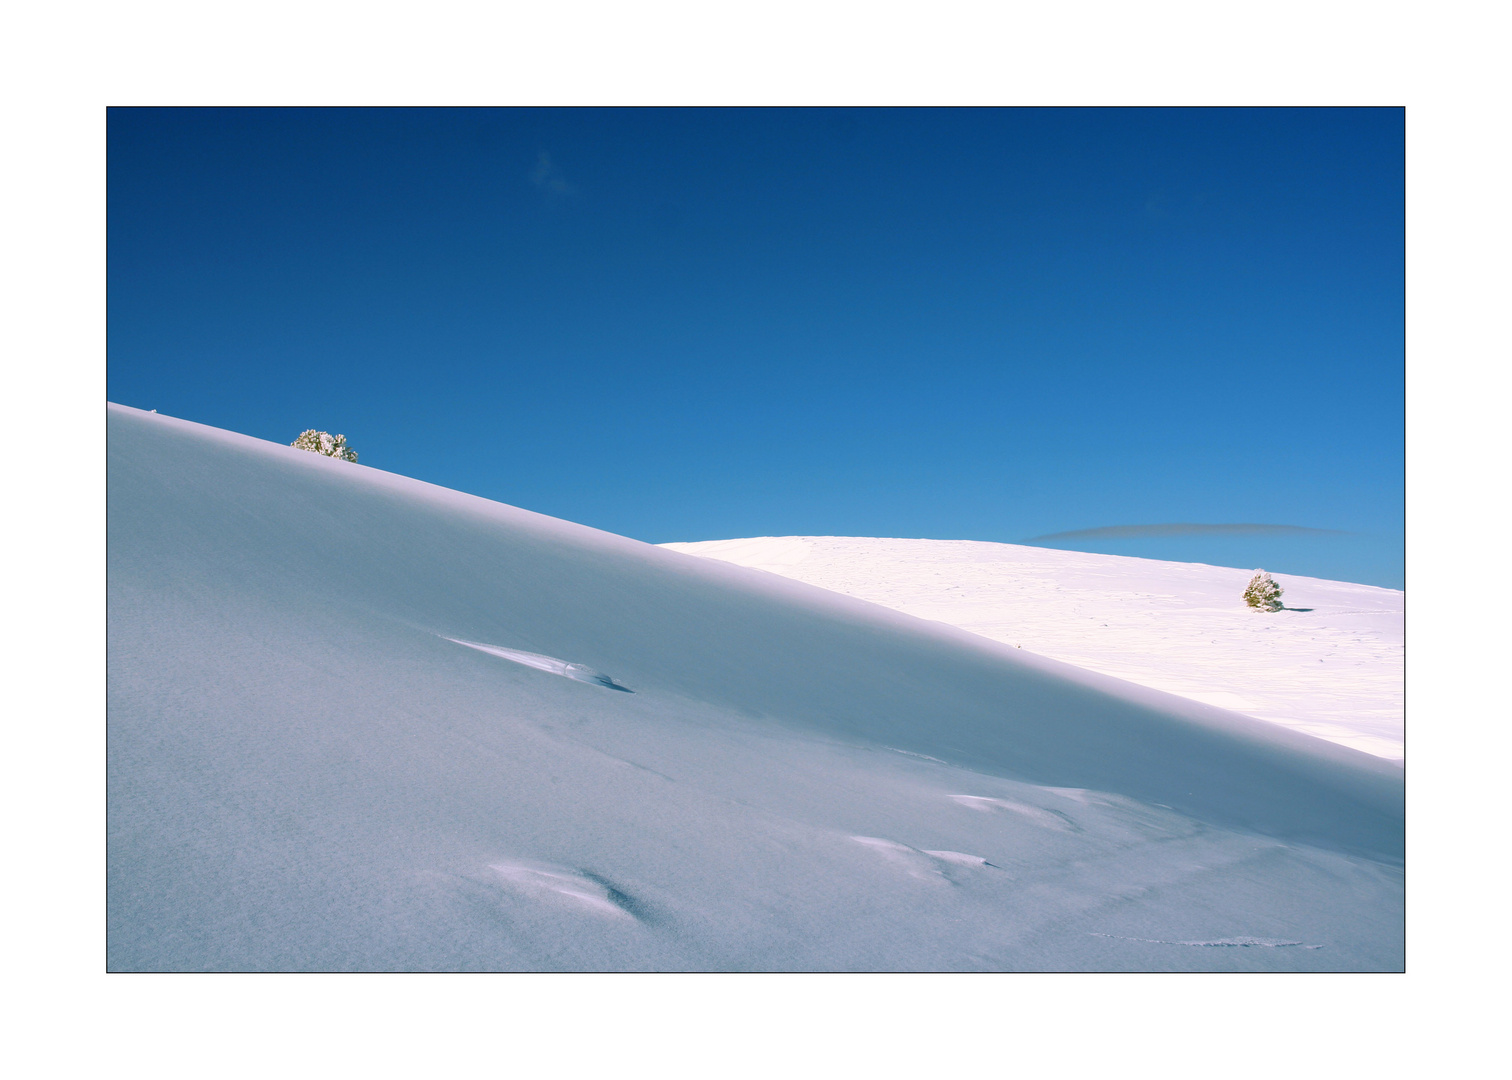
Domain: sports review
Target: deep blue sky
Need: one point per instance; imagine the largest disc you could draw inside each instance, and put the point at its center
(700, 324)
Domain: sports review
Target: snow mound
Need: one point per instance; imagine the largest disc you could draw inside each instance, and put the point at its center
(1329, 664)
(305, 771)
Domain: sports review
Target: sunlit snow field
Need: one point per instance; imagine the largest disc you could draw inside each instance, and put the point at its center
(1330, 664)
(360, 722)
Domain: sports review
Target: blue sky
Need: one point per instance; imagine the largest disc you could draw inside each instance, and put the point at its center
(700, 324)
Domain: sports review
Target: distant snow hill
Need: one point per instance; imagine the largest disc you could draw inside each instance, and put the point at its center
(1330, 665)
(359, 722)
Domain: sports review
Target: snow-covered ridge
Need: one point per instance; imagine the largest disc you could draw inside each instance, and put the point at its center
(1330, 664)
(305, 773)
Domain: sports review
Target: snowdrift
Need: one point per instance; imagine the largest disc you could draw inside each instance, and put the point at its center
(359, 722)
(1330, 664)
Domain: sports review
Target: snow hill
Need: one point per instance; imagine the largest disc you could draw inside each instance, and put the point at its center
(359, 722)
(1330, 665)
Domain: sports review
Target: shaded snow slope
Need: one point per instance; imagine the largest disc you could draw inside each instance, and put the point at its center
(1330, 665)
(314, 765)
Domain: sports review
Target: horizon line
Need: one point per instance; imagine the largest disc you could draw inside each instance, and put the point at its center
(1114, 532)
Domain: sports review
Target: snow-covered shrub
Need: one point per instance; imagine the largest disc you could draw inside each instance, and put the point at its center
(323, 442)
(1262, 593)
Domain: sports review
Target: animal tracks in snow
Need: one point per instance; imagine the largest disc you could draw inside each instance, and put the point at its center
(576, 672)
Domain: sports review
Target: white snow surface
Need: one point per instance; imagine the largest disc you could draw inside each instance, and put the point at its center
(307, 770)
(579, 672)
(1330, 664)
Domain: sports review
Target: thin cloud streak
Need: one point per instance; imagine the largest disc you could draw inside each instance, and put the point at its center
(548, 177)
(1132, 532)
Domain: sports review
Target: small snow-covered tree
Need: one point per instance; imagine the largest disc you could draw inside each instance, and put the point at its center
(1262, 593)
(323, 442)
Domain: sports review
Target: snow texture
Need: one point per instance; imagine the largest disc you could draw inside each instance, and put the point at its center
(1330, 663)
(580, 672)
(306, 771)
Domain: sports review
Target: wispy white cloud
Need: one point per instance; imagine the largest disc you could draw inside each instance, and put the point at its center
(548, 177)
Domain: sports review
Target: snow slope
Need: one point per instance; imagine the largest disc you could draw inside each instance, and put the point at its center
(1330, 665)
(359, 722)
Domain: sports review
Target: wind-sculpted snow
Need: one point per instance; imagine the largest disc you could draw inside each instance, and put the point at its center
(578, 672)
(575, 887)
(1049, 819)
(922, 864)
(307, 772)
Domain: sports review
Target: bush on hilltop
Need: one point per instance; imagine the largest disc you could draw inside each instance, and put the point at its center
(1262, 593)
(323, 442)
